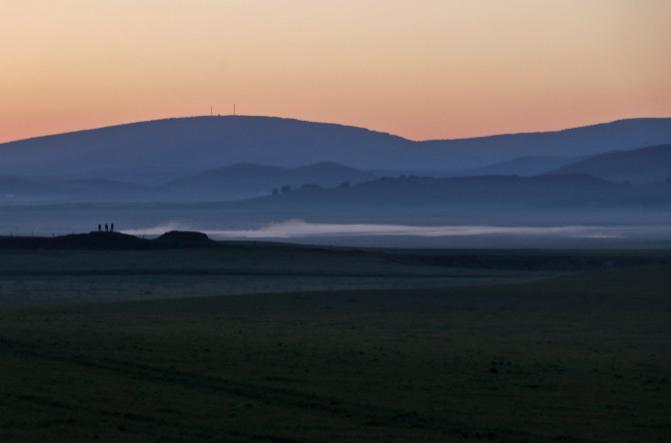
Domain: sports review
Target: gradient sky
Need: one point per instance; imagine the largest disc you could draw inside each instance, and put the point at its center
(417, 68)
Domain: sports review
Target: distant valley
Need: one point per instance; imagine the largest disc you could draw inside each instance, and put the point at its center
(208, 172)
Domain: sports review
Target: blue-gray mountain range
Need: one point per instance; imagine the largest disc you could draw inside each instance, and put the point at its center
(163, 150)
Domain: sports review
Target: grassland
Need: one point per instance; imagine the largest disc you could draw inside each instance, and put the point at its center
(77, 276)
(518, 356)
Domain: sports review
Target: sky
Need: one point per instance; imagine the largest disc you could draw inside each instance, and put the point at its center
(422, 69)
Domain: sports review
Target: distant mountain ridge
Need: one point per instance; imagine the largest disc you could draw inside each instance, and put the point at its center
(251, 180)
(524, 166)
(638, 166)
(234, 182)
(491, 193)
(166, 149)
(485, 200)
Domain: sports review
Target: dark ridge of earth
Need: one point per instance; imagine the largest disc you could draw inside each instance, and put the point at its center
(528, 260)
(108, 241)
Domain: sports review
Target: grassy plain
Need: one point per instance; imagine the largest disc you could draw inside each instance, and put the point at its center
(579, 357)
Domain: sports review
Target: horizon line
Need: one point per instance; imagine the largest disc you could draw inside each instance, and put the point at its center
(501, 134)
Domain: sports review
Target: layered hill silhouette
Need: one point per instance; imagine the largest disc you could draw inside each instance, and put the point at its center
(108, 241)
(504, 192)
(638, 166)
(167, 149)
(525, 166)
(485, 200)
(251, 180)
(243, 180)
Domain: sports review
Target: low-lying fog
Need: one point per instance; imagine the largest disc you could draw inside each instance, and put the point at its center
(298, 228)
(413, 235)
(415, 227)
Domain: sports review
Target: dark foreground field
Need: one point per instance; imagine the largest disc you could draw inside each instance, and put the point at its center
(581, 357)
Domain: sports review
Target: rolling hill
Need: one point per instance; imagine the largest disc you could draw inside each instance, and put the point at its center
(251, 180)
(167, 149)
(638, 166)
(504, 192)
(495, 200)
(235, 182)
(524, 166)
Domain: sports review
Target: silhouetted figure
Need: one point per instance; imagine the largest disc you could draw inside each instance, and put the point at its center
(106, 228)
(100, 227)
(112, 227)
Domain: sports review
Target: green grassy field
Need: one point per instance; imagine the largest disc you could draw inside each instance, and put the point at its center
(584, 357)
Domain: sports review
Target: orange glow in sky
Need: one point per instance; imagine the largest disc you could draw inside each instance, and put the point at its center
(417, 68)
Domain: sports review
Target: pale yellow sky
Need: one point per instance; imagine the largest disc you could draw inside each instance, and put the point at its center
(417, 68)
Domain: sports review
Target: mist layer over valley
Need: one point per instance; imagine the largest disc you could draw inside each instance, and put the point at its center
(268, 178)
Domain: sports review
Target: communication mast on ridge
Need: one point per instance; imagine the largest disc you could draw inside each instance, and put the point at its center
(234, 109)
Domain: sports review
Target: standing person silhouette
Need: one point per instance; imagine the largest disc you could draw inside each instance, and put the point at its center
(112, 227)
(100, 227)
(106, 228)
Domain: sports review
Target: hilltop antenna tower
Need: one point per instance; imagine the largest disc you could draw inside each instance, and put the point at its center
(234, 113)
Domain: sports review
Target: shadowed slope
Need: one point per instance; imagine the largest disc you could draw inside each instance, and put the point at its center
(646, 165)
(168, 148)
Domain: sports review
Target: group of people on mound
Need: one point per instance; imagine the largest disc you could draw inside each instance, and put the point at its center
(108, 228)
